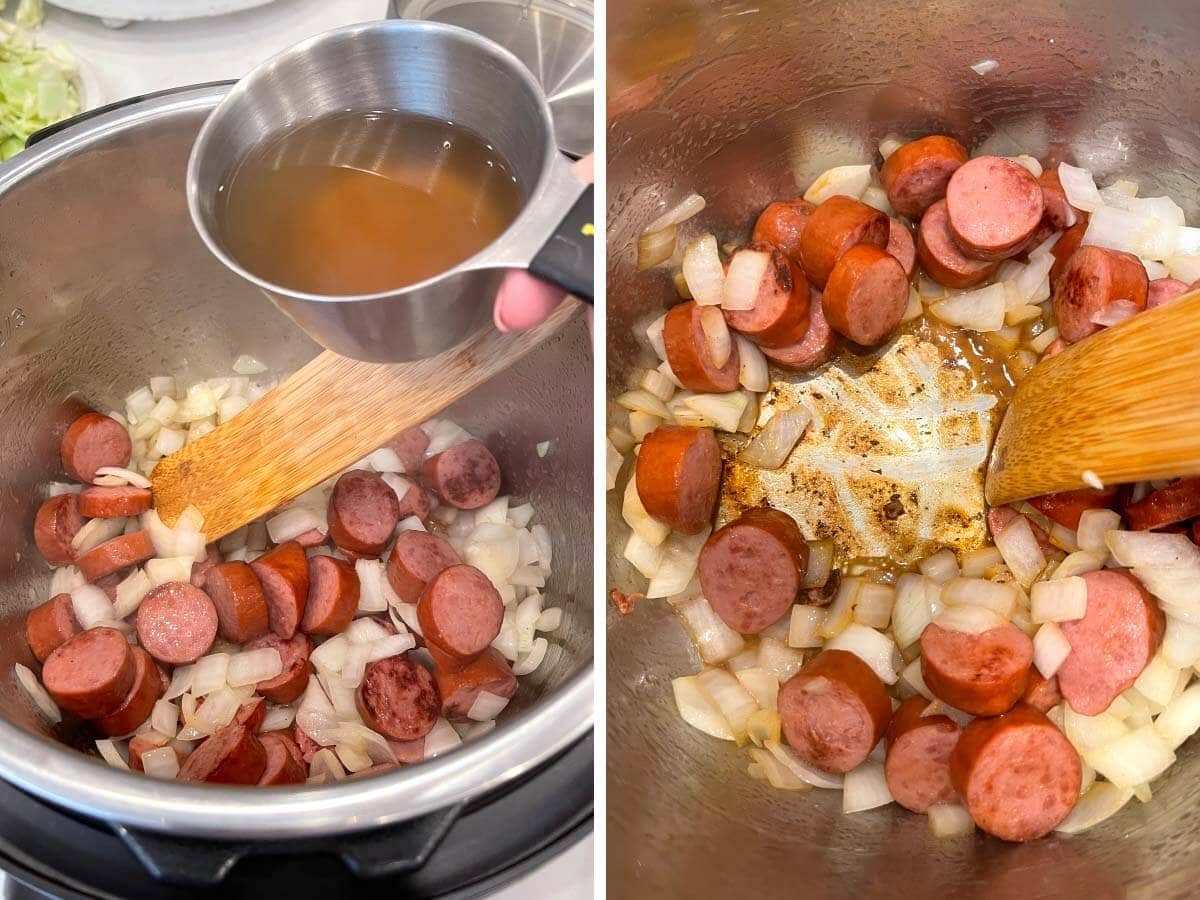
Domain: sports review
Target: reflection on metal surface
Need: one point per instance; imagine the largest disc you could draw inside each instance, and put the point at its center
(892, 464)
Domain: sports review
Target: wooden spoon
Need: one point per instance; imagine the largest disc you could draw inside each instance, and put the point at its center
(1124, 404)
(326, 416)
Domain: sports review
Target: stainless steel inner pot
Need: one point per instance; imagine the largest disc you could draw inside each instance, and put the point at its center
(743, 102)
(105, 282)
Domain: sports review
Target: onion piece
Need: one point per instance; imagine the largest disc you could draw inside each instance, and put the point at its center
(744, 278)
(999, 598)
(777, 439)
(948, 820)
(915, 679)
(1158, 680)
(208, 673)
(132, 589)
(1133, 759)
(978, 310)
(91, 606)
(703, 271)
(1058, 600)
(654, 334)
(818, 779)
(697, 710)
(848, 180)
(1050, 649)
(804, 626)
(753, 371)
(763, 686)
(181, 682)
(161, 762)
(1180, 719)
(128, 476)
(278, 718)
(913, 608)
(776, 774)
(325, 763)
(874, 606)
(95, 532)
(1115, 313)
(174, 568)
(840, 613)
(1181, 643)
(724, 410)
(968, 619)
(874, 648)
(253, 666)
(1094, 524)
(689, 206)
(820, 564)
(164, 718)
(641, 401)
(370, 579)
(718, 341)
(940, 567)
(1080, 188)
(1088, 732)
(293, 522)
(715, 641)
(865, 787)
(975, 563)
(655, 247)
(1099, 802)
(34, 691)
(726, 693)
(111, 754)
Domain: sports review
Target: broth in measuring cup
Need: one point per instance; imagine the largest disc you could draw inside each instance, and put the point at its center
(363, 203)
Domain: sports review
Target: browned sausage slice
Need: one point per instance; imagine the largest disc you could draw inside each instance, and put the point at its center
(283, 766)
(780, 314)
(916, 174)
(1059, 212)
(363, 512)
(1065, 507)
(900, 245)
(398, 698)
(119, 553)
(290, 683)
(1173, 503)
(459, 685)
(410, 445)
(408, 752)
(994, 205)
(834, 227)
(678, 476)
(415, 502)
(49, 626)
(941, 257)
(817, 347)
(1111, 644)
(283, 574)
(1064, 248)
(1017, 774)
(866, 295)
(311, 538)
(176, 623)
(234, 755)
(1164, 290)
(92, 442)
(54, 528)
(751, 569)
(466, 475)
(687, 353)
(113, 502)
(307, 746)
(834, 711)
(333, 592)
(1042, 693)
(90, 675)
(416, 558)
(201, 567)
(983, 674)
(460, 611)
(238, 597)
(1093, 278)
(917, 766)
(782, 223)
(139, 702)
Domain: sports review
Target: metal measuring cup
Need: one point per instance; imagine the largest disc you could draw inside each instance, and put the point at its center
(429, 69)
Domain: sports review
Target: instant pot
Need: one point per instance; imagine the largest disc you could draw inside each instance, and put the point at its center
(746, 103)
(104, 282)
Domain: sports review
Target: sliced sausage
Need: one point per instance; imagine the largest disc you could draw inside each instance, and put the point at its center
(410, 445)
(92, 442)
(333, 592)
(363, 512)
(1093, 278)
(307, 746)
(283, 764)
(139, 702)
(290, 683)
(782, 223)
(941, 257)
(1064, 248)
(834, 227)
(1057, 346)
(201, 567)
(416, 557)
(408, 752)
(780, 314)
(90, 675)
(982, 674)
(234, 755)
(866, 295)
(1111, 644)
(1174, 503)
(901, 245)
(398, 698)
(119, 553)
(1066, 507)
(1059, 212)
(1000, 517)
(751, 569)
(238, 597)
(1017, 774)
(1042, 693)
(460, 611)
(311, 538)
(377, 769)
(176, 623)
(678, 475)
(283, 575)
(460, 685)
(834, 711)
(817, 347)
(994, 206)
(917, 765)
(414, 501)
(1164, 290)
(466, 475)
(49, 626)
(916, 174)
(688, 356)
(54, 527)
(113, 502)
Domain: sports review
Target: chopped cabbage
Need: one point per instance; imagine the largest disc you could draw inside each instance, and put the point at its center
(37, 84)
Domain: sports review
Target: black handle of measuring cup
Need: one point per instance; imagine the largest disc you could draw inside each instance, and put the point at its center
(566, 258)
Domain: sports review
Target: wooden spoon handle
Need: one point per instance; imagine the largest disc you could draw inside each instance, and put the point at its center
(1124, 404)
(326, 416)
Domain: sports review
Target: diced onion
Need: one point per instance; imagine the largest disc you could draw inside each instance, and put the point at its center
(753, 372)
(208, 673)
(110, 754)
(654, 334)
(95, 532)
(715, 641)
(703, 271)
(999, 598)
(697, 710)
(1094, 524)
(1099, 802)
(975, 563)
(1080, 562)
(778, 658)
(865, 787)
(33, 689)
(914, 607)
(802, 770)
(875, 196)
(1058, 600)
(940, 567)
(253, 666)
(913, 676)
(985, 66)
(91, 606)
(744, 278)
(642, 401)
(174, 568)
(370, 580)
(874, 607)
(1026, 162)
(126, 475)
(726, 693)
(820, 564)
(763, 687)
(1050, 649)
(848, 180)
(840, 613)
(1087, 732)
(1181, 643)
(392, 645)
(1116, 312)
(775, 441)
(164, 717)
(1080, 188)
(181, 682)
(873, 647)
(978, 310)
(486, 706)
(1180, 719)
(725, 410)
(161, 762)
(1157, 680)
(293, 522)
(655, 247)
(776, 774)
(949, 820)
(890, 145)
(968, 619)
(718, 341)
(804, 627)
(1133, 759)
(689, 206)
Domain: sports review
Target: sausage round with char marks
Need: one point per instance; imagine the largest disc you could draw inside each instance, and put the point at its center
(1059, 211)
(139, 702)
(866, 295)
(782, 223)
(238, 597)
(994, 206)
(1166, 506)
(294, 653)
(917, 765)
(834, 711)
(916, 174)
(460, 611)
(55, 526)
(92, 442)
(834, 227)
(678, 476)
(234, 755)
(941, 257)
(417, 558)
(780, 314)
(363, 512)
(177, 623)
(1065, 507)
(901, 245)
(1064, 248)
(333, 592)
(751, 569)
(49, 626)
(283, 764)
(398, 698)
(687, 353)
(466, 475)
(983, 674)
(283, 575)
(410, 445)
(90, 675)
(460, 685)
(1093, 278)
(818, 346)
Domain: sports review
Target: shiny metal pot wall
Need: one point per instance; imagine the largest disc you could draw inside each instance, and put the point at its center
(105, 283)
(743, 102)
